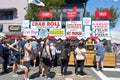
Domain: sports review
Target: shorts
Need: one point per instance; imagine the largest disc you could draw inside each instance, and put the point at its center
(16, 58)
(34, 56)
(99, 58)
(27, 64)
(22, 55)
(46, 61)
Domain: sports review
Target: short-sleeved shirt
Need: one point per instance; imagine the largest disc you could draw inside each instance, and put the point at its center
(18, 47)
(34, 45)
(53, 50)
(79, 52)
(99, 49)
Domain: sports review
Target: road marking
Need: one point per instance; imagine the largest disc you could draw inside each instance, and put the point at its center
(103, 77)
(100, 74)
(73, 76)
(118, 64)
(114, 78)
(111, 69)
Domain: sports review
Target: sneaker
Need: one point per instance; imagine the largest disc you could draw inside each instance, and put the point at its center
(27, 79)
(82, 76)
(48, 78)
(15, 75)
(97, 69)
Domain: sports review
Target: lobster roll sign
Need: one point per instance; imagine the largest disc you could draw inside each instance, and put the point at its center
(46, 14)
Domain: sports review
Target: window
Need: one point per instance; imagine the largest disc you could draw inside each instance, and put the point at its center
(6, 15)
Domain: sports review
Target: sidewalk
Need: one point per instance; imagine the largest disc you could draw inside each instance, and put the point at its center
(54, 74)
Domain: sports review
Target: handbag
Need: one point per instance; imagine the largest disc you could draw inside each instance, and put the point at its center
(80, 57)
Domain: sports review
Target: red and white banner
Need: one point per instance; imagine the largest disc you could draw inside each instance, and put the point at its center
(46, 24)
(100, 24)
(73, 24)
(74, 28)
(101, 28)
(44, 14)
(71, 14)
(74, 32)
(102, 14)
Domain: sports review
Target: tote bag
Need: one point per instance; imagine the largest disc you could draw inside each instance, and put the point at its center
(80, 57)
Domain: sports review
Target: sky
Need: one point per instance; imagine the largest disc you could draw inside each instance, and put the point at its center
(92, 5)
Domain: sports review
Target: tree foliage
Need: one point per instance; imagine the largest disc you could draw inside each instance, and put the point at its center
(55, 5)
(114, 16)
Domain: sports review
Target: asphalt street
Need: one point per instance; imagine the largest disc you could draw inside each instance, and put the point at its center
(91, 74)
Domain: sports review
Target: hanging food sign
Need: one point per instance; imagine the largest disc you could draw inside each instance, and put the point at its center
(44, 14)
(46, 24)
(57, 32)
(74, 28)
(30, 32)
(71, 14)
(102, 14)
(101, 28)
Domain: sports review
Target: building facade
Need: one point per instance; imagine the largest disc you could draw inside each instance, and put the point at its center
(12, 13)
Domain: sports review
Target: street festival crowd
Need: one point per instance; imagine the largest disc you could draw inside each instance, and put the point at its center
(43, 53)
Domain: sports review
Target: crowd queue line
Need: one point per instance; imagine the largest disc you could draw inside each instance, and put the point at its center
(43, 53)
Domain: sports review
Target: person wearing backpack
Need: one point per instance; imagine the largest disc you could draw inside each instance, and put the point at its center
(16, 54)
(65, 58)
(46, 58)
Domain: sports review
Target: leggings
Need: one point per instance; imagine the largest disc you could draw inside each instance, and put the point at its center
(79, 63)
(64, 65)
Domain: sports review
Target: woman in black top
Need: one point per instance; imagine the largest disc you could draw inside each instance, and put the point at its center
(65, 58)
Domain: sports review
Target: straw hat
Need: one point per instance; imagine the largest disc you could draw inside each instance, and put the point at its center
(28, 38)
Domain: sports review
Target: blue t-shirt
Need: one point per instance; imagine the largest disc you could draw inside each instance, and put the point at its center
(34, 45)
(99, 49)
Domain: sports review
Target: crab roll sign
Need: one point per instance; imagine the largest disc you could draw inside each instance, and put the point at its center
(46, 24)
